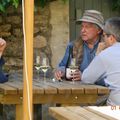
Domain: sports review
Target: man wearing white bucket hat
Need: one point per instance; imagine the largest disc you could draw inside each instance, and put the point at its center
(84, 48)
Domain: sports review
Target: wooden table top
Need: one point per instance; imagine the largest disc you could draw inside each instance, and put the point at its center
(49, 91)
(50, 87)
(78, 113)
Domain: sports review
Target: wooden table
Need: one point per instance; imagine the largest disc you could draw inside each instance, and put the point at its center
(64, 92)
(79, 113)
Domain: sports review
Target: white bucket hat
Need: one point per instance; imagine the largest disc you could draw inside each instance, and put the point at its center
(92, 16)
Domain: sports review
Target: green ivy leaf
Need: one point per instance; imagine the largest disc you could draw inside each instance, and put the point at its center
(15, 3)
(2, 8)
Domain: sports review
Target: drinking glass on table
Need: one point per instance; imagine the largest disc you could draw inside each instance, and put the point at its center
(44, 66)
(37, 66)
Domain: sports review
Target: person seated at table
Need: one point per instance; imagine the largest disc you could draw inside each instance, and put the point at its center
(106, 65)
(3, 77)
(83, 49)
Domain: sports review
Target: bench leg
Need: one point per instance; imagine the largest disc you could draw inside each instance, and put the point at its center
(1, 111)
(19, 112)
(37, 112)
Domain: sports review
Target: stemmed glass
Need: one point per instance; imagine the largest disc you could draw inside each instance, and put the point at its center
(44, 66)
(37, 66)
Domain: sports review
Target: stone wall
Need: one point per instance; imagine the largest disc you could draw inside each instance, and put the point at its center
(50, 33)
(60, 30)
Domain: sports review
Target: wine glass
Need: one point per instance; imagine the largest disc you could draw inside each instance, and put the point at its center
(37, 66)
(44, 66)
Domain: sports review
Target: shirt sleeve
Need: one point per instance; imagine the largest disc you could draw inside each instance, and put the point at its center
(3, 77)
(2, 61)
(94, 72)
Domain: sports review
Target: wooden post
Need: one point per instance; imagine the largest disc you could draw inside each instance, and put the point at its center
(28, 59)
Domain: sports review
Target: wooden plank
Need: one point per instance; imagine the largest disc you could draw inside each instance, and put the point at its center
(89, 89)
(1, 98)
(75, 88)
(85, 113)
(61, 87)
(100, 114)
(65, 98)
(101, 89)
(11, 99)
(98, 89)
(17, 85)
(6, 89)
(77, 113)
(19, 112)
(60, 113)
(47, 88)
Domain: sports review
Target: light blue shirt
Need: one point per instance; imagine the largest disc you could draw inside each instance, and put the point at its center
(106, 66)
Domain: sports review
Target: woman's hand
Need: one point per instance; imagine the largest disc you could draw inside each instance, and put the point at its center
(2, 46)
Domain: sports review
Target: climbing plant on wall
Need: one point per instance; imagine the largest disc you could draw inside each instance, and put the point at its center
(5, 3)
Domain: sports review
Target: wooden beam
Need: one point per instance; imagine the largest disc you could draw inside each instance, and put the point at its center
(28, 59)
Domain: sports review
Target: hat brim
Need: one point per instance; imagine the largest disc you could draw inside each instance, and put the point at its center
(88, 20)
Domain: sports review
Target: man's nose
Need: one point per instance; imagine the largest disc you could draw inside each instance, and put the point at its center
(83, 29)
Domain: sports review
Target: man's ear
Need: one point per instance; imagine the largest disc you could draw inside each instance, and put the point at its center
(112, 40)
(100, 31)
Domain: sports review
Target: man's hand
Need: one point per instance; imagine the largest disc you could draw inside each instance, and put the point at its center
(76, 75)
(2, 46)
(58, 74)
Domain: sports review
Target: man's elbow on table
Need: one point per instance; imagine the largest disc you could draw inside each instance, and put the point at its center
(86, 79)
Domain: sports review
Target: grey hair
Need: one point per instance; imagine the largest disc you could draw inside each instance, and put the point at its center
(112, 26)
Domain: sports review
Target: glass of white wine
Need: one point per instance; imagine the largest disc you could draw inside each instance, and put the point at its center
(44, 66)
(37, 66)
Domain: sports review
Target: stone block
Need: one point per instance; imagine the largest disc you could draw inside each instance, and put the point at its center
(5, 28)
(14, 19)
(40, 42)
(17, 32)
(5, 34)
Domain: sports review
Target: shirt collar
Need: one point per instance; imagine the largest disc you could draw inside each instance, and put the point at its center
(96, 44)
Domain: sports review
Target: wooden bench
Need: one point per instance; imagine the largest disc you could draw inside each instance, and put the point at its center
(79, 113)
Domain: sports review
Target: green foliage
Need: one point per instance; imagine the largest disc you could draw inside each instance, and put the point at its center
(116, 5)
(5, 3)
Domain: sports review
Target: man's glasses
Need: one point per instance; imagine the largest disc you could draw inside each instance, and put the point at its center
(106, 35)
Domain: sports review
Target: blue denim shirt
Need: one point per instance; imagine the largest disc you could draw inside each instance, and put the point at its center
(3, 77)
(88, 56)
